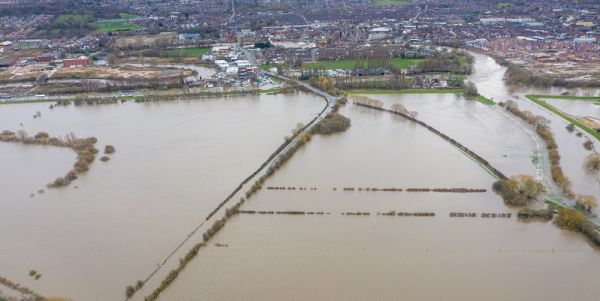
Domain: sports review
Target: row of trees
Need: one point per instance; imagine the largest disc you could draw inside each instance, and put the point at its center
(541, 125)
(279, 160)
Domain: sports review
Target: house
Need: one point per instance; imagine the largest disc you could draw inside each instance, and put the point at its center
(81, 61)
(47, 57)
(7, 61)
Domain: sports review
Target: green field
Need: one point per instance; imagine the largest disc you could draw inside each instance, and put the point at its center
(390, 2)
(504, 4)
(484, 100)
(538, 100)
(350, 64)
(403, 91)
(120, 24)
(188, 52)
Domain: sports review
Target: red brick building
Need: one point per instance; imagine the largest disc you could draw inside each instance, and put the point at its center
(74, 63)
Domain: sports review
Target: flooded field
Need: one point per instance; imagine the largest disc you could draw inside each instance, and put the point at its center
(335, 256)
(576, 107)
(174, 163)
(572, 152)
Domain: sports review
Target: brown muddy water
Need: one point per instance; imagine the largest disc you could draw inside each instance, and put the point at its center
(339, 257)
(174, 163)
(576, 107)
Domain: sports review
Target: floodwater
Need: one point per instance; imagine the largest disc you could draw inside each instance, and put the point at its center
(578, 108)
(175, 162)
(340, 257)
(488, 77)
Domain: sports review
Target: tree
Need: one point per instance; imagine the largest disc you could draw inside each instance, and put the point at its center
(570, 127)
(586, 202)
(519, 190)
(129, 291)
(592, 163)
(471, 90)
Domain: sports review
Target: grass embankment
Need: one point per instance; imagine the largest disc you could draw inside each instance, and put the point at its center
(16, 102)
(188, 52)
(120, 24)
(484, 100)
(270, 91)
(351, 64)
(403, 91)
(537, 99)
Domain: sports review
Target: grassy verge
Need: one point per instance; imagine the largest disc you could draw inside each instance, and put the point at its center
(16, 102)
(404, 91)
(188, 52)
(536, 99)
(552, 204)
(484, 100)
(270, 91)
(566, 97)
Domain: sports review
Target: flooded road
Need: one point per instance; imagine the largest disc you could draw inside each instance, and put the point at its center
(174, 163)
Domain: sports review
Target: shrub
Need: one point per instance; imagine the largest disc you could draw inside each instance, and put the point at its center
(592, 162)
(109, 149)
(570, 128)
(332, 123)
(471, 90)
(588, 144)
(586, 202)
(541, 214)
(129, 291)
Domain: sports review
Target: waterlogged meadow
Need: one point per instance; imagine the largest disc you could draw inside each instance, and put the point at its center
(174, 162)
(315, 238)
(366, 203)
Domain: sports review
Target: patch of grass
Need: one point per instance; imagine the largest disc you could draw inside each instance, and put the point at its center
(484, 100)
(350, 64)
(127, 98)
(536, 99)
(390, 2)
(404, 62)
(121, 24)
(552, 204)
(188, 52)
(270, 91)
(404, 91)
(504, 4)
(127, 16)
